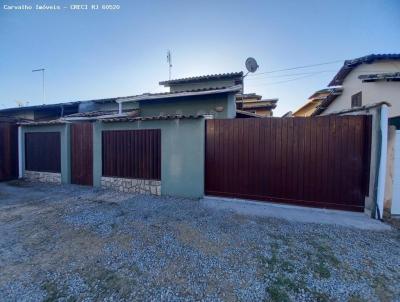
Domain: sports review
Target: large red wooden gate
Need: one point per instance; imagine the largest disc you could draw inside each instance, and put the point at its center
(8, 151)
(319, 161)
(82, 154)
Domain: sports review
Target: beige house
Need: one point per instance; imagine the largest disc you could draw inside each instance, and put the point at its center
(253, 103)
(315, 100)
(365, 81)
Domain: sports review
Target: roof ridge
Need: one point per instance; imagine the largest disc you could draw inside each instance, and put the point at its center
(202, 77)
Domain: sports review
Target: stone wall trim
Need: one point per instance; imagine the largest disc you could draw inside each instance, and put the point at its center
(45, 177)
(131, 185)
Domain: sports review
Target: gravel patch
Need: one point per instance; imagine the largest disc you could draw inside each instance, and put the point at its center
(63, 243)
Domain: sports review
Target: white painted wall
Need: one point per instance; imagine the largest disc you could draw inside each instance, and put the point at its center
(396, 177)
(372, 92)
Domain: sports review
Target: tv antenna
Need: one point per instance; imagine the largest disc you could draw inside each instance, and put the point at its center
(169, 60)
(251, 65)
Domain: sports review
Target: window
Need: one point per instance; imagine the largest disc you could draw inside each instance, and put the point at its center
(356, 100)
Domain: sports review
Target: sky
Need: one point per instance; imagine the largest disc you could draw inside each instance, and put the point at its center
(92, 54)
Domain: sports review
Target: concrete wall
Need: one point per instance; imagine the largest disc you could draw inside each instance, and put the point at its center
(205, 104)
(64, 131)
(389, 171)
(370, 200)
(372, 92)
(182, 153)
(395, 206)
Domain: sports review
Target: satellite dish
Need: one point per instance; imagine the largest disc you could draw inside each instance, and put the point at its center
(251, 64)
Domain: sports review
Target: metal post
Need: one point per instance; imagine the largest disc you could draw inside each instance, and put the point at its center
(44, 91)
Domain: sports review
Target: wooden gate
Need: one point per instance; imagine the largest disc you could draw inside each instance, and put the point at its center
(43, 152)
(132, 153)
(319, 161)
(8, 151)
(82, 154)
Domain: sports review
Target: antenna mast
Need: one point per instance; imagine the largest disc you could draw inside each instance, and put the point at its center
(169, 60)
(44, 91)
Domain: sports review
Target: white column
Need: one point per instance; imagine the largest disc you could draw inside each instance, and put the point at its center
(382, 161)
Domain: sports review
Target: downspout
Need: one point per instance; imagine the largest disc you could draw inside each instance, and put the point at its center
(119, 107)
(380, 176)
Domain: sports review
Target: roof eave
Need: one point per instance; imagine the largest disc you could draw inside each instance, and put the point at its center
(148, 97)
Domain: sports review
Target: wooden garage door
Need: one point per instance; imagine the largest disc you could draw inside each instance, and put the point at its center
(321, 161)
(43, 152)
(82, 154)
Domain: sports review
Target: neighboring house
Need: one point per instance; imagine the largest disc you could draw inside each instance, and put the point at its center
(365, 81)
(203, 95)
(253, 103)
(165, 131)
(316, 99)
(54, 111)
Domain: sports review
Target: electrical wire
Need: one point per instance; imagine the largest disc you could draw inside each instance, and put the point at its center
(289, 75)
(297, 67)
(285, 81)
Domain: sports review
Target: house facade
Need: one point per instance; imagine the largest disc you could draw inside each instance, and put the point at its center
(315, 100)
(365, 81)
(89, 143)
(253, 103)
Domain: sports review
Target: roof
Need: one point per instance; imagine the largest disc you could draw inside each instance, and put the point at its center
(270, 104)
(362, 108)
(44, 106)
(53, 122)
(187, 93)
(242, 113)
(324, 104)
(333, 93)
(125, 117)
(220, 76)
(95, 114)
(246, 96)
(48, 106)
(148, 118)
(388, 76)
(307, 104)
(10, 119)
(349, 65)
(317, 94)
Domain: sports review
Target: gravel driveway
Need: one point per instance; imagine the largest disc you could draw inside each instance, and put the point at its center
(68, 243)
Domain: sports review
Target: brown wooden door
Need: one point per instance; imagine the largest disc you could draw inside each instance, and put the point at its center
(319, 161)
(8, 151)
(82, 154)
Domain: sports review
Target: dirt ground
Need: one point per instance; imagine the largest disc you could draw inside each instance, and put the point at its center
(72, 243)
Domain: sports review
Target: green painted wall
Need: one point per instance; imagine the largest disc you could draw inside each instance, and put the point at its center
(204, 104)
(65, 147)
(182, 153)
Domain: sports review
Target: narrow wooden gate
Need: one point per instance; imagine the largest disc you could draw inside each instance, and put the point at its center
(8, 151)
(82, 154)
(320, 161)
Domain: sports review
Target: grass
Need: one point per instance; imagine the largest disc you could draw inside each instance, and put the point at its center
(381, 289)
(356, 298)
(106, 282)
(18, 183)
(322, 270)
(52, 292)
